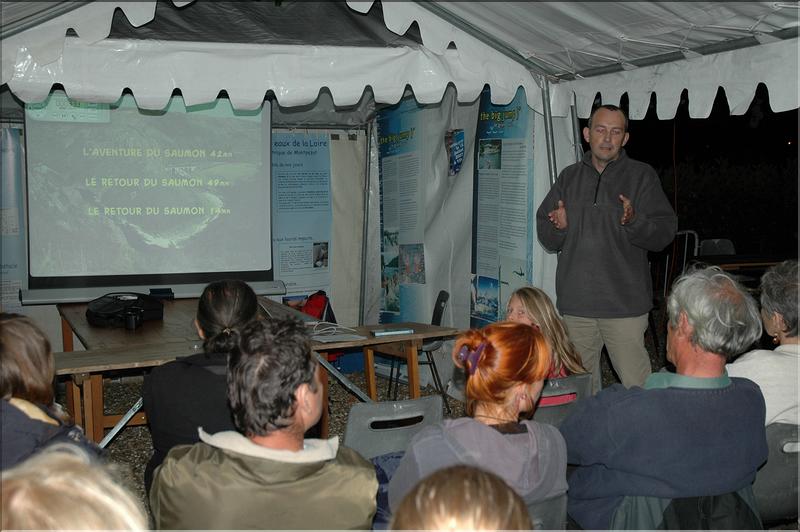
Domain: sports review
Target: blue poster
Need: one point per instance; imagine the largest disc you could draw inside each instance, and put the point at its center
(454, 140)
(14, 271)
(401, 140)
(503, 229)
(301, 210)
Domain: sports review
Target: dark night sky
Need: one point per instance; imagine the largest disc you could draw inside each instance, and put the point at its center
(736, 176)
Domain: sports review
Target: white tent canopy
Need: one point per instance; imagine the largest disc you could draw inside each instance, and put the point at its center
(579, 48)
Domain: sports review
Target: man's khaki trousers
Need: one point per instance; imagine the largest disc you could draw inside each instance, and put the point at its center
(624, 340)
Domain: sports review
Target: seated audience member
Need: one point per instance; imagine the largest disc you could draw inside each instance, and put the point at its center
(775, 372)
(506, 364)
(692, 433)
(531, 306)
(461, 498)
(31, 420)
(265, 475)
(191, 392)
(62, 489)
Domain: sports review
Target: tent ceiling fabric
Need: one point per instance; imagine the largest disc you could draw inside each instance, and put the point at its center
(572, 38)
(92, 67)
(263, 22)
(248, 49)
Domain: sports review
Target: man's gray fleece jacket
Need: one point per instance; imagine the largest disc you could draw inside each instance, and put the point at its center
(603, 270)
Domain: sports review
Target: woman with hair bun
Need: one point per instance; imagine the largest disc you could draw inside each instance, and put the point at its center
(505, 365)
(191, 392)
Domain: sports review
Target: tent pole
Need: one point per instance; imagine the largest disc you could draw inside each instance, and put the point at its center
(365, 229)
(576, 129)
(548, 130)
(45, 14)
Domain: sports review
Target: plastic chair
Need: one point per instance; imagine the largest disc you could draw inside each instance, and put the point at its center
(549, 514)
(717, 246)
(579, 384)
(374, 429)
(428, 348)
(775, 487)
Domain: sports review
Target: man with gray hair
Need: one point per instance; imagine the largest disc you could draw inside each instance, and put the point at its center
(641, 452)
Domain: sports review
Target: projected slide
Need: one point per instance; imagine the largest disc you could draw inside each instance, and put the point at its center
(113, 190)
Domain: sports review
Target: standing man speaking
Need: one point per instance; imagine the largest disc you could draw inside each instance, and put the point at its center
(603, 215)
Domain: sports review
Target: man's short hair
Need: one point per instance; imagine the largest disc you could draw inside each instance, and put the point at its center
(273, 359)
(608, 107)
(724, 316)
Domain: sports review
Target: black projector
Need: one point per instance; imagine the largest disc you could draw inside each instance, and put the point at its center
(123, 309)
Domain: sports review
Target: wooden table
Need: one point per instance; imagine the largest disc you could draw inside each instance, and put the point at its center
(108, 349)
(405, 346)
(158, 342)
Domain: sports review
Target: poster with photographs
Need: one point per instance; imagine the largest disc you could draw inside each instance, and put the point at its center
(503, 231)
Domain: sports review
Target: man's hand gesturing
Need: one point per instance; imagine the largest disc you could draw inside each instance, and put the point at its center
(558, 217)
(627, 210)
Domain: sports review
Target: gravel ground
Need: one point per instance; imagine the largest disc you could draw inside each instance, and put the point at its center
(131, 448)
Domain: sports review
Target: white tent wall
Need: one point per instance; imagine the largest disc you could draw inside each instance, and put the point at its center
(544, 262)
(737, 71)
(372, 247)
(348, 164)
(447, 215)
(349, 170)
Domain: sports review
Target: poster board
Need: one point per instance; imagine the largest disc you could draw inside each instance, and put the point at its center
(503, 202)
(318, 179)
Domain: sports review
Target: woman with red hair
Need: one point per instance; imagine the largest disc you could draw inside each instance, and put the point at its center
(505, 365)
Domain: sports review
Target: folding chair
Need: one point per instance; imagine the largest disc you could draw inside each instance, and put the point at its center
(374, 429)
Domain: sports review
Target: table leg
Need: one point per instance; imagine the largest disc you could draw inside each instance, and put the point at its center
(88, 408)
(66, 336)
(369, 373)
(74, 402)
(413, 370)
(97, 406)
(325, 418)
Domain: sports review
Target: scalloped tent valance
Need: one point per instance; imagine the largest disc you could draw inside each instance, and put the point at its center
(94, 67)
(202, 49)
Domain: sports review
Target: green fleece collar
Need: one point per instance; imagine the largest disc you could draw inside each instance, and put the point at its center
(664, 379)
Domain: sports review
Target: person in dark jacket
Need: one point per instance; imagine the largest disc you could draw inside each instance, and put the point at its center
(692, 433)
(602, 216)
(31, 419)
(181, 396)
